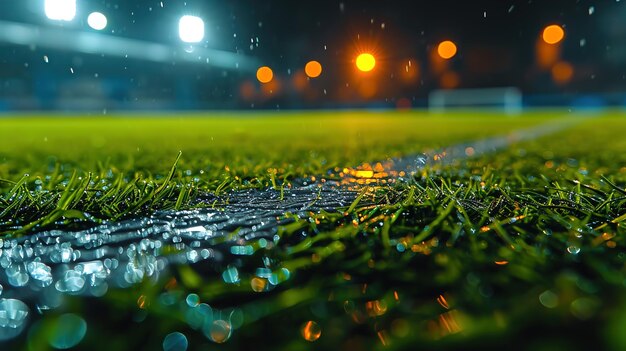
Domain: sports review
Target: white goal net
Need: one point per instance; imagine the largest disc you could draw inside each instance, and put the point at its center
(508, 99)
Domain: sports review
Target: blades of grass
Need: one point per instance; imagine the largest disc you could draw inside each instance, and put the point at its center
(7, 181)
(612, 185)
(67, 192)
(18, 186)
(183, 197)
(429, 229)
(222, 186)
(170, 175)
(619, 219)
(358, 199)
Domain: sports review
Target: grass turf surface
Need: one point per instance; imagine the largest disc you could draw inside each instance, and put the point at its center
(527, 241)
(115, 167)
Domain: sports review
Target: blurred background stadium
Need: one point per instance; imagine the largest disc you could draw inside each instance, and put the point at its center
(111, 55)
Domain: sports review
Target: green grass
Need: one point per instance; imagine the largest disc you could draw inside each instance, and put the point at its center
(91, 169)
(524, 248)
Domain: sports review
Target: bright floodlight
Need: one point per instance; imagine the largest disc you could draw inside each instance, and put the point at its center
(60, 10)
(365, 62)
(97, 21)
(191, 29)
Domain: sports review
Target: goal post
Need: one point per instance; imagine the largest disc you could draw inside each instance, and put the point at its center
(507, 99)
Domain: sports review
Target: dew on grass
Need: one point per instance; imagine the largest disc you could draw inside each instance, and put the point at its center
(574, 250)
(72, 282)
(16, 275)
(263, 272)
(549, 299)
(584, 308)
(218, 331)
(13, 317)
(40, 272)
(192, 300)
(231, 275)
(242, 250)
(175, 341)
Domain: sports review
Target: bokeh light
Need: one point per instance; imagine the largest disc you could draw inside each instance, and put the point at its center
(365, 62)
(409, 71)
(553, 34)
(562, 72)
(60, 10)
(299, 80)
(449, 80)
(191, 29)
(69, 330)
(13, 318)
(258, 284)
(264, 74)
(219, 331)
(311, 331)
(313, 69)
(446, 49)
(547, 55)
(175, 342)
(247, 90)
(97, 21)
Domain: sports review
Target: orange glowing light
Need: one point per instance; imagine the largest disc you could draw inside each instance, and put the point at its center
(313, 69)
(365, 62)
(258, 284)
(553, 34)
(449, 322)
(311, 331)
(219, 331)
(247, 90)
(299, 80)
(376, 308)
(446, 49)
(562, 72)
(142, 302)
(264, 74)
(443, 302)
(364, 174)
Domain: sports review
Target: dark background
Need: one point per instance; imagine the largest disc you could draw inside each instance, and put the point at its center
(496, 47)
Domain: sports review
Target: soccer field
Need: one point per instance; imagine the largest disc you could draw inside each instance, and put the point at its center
(457, 253)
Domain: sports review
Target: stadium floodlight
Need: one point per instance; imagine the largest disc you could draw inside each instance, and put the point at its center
(97, 20)
(60, 10)
(191, 29)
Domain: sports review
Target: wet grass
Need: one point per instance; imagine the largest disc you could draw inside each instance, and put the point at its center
(74, 169)
(523, 249)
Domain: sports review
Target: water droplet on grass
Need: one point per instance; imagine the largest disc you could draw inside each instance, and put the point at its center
(72, 282)
(40, 272)
(175, 342)
(13, 316)
(549, 299)
(231, 275)
(574, 250)
(219, 331)
(192, 300)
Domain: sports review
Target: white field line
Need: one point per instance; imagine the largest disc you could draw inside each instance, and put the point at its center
(462, 151)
